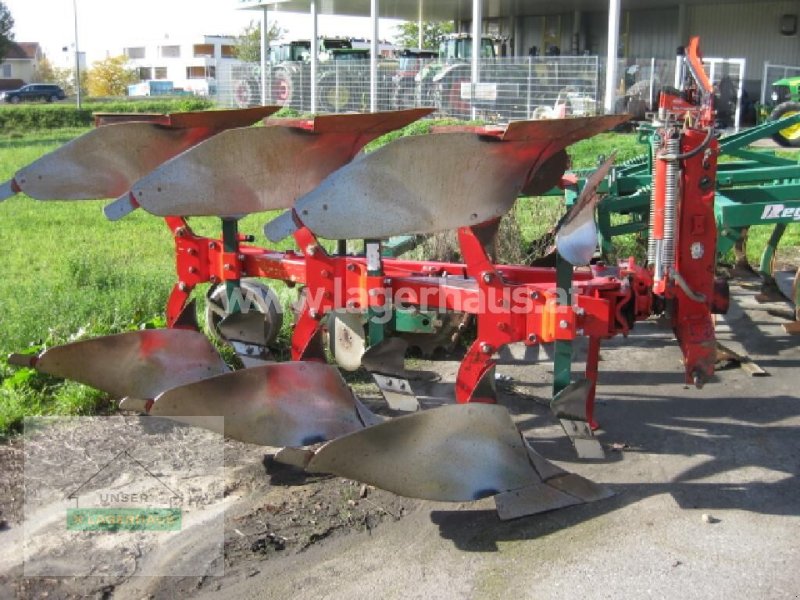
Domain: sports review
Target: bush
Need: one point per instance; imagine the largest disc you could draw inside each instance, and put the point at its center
(56, 116)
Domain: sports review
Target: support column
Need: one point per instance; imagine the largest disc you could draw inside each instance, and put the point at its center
(576, 32)
(611, 56)
(314, 54)
(683, 24)
(373, 58)
(420, 33)
(264, 54)
(477, 34)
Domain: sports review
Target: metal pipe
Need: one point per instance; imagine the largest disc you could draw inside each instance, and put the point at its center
(264, 52)
(477, 37)
(420, 36)
(77, 57)
(611, 56)
(314, 54)
(373, 58)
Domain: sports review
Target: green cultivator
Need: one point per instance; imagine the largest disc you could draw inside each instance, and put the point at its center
(752, 187)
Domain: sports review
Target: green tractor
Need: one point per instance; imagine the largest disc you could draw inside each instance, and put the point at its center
(786, 100)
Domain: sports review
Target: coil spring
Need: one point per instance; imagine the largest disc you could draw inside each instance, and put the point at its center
(670, 203)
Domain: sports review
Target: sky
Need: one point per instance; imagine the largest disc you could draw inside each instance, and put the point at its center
(106, 26)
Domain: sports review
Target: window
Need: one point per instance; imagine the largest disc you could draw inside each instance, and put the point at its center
(228, 51)
(170, 51)
(161, 72)
(5, 70)
(145, 73)
(134, 52)
(200, 72)
(204, 50)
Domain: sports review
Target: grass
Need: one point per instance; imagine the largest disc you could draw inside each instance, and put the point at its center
(71, 273)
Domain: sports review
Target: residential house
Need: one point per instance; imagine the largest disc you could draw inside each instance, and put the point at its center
(20, 65)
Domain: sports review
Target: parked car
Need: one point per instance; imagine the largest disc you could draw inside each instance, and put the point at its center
(34, 91)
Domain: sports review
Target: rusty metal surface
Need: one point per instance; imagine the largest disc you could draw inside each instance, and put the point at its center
(279, 404)
(138, 364)
(431, 183)
(453, 453)
(576, 239)
(250, 170)
(104, 162)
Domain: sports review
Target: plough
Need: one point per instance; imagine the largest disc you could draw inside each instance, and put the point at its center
(463, 178)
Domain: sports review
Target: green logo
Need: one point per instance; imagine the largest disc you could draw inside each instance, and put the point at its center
(123, 519)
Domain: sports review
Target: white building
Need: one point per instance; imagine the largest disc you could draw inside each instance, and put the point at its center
(190, 64)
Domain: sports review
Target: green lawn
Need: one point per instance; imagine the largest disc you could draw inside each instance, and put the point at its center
(70, 272)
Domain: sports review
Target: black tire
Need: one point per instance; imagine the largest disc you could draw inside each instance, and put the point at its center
(53, 98)
(14, 100)
(789, 137)
(261, 298)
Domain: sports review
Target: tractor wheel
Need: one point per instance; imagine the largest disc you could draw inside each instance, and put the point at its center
(335, 97)
(790, 136)
(282, 89)
(246, 93)
(257, 296)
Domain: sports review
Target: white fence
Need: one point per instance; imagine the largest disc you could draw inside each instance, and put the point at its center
(510, 88)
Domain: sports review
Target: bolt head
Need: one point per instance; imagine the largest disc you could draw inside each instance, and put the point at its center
(311, 250)
(563, 324)
(212, 245)
(314, 313)
(532, 338)
(534, 295)
(487, 348)
(487, 277)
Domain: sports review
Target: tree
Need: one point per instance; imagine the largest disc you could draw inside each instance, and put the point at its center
(110, 77)
(407, 33)
(6, 25)
(248, 46)
(45, 72)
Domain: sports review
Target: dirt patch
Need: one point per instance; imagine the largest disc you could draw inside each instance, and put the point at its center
(271, 512)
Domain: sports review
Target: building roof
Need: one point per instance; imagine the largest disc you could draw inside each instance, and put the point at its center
(443, 10)
(23, 50)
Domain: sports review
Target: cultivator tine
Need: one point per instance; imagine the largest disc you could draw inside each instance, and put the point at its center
(250, 170)
(453, 453)
(459, 179)
(576, 239)
(569, 407)
(136, 364)
(104, 162)
(279, 404)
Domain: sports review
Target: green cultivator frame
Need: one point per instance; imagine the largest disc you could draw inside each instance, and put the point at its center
(753, 187)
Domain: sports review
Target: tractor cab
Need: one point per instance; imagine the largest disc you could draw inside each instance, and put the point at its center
(459, 47)
(296, 51)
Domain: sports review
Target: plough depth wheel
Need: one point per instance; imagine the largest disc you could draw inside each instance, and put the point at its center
(255, 296)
